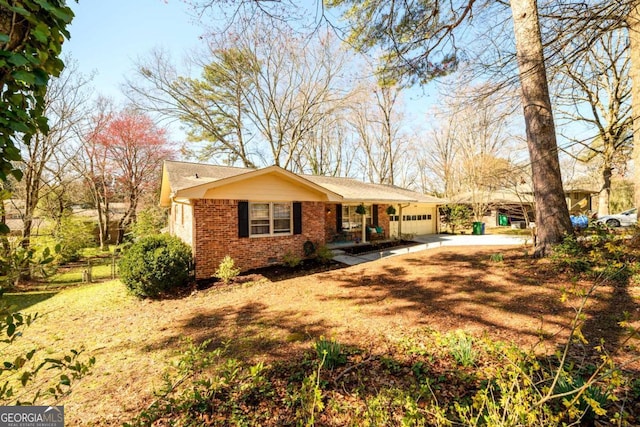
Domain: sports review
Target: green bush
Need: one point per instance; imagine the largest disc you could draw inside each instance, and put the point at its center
(324, 254)
(291, 260)
(456, 216)
(73, 236)
(226, 270)
(156, 264)
(149, 221)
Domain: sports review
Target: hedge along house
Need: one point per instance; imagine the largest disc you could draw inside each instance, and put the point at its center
(257, 216)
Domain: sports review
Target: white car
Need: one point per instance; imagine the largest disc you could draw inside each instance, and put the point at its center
(624, 219)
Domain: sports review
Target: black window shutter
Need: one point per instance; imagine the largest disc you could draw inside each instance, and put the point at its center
(243, 219)
(374, 215)
(297, 218)
(338, 218)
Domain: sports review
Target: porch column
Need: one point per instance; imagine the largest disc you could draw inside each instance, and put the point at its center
(364, 227)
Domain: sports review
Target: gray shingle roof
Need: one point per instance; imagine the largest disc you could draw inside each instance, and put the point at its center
(183, 175)
(186, 175)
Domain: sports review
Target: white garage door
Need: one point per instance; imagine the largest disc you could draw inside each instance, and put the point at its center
(416, 220)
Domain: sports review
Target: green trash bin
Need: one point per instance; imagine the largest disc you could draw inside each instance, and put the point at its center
(503, 220)
(478, 228)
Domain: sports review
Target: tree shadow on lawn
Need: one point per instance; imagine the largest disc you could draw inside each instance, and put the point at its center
(24, 300)
(448, 290)
(249, 331)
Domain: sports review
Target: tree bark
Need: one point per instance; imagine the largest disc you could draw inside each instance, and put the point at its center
(633, 23)
(552, 215)
(605, 192)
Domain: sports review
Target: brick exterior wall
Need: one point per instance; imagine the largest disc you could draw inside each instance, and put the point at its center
(383, 219)
(216, 235)
(330, 222)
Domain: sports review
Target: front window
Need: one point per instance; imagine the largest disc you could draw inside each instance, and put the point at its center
(267, 219)
(351, 220)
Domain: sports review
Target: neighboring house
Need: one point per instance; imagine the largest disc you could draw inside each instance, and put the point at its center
(581, 201)
(504, 207)
(14, 215)
(257, 216)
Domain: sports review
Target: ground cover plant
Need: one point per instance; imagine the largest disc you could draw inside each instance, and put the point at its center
(449, 335)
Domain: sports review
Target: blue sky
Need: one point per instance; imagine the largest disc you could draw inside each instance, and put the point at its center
(108, 35)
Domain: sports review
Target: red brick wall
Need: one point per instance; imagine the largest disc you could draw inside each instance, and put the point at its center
(383, 219)
(330, 222)
(216, 235)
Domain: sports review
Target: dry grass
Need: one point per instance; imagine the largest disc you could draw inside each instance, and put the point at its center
(366, 306)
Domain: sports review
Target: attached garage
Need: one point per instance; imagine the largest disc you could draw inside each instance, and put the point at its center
(416, 219)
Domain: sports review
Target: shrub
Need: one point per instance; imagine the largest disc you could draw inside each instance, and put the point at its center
(149, 221)
(324, 254)
(571, 255)
(18, 263)
(226, 270)
(73, 236)
(156, 264)
(291, 259)
(456, 216)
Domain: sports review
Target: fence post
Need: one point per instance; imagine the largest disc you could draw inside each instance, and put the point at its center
(86, 273)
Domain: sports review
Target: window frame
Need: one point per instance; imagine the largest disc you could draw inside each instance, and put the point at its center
(271, 220)
(349, 216)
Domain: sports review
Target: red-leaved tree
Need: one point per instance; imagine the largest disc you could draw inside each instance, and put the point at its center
(133, 147)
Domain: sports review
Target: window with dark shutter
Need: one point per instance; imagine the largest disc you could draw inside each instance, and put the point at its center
(338, 218)
(297, 218)
(243, 219)
(374, 215)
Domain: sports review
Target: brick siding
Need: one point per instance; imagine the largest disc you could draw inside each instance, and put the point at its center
(383, 219)
(216, 235)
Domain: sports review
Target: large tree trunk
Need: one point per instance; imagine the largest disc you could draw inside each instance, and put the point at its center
(605, 191)
(633, 22)
(552, 215)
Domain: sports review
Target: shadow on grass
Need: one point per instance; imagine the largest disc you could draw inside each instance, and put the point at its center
(450, 290)
(24, 300)
(248, 331)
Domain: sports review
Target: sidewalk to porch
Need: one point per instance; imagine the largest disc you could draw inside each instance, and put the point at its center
(424, 242)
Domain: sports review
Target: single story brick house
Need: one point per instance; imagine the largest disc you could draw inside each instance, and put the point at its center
(257, 216)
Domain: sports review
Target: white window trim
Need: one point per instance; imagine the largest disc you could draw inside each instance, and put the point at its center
(271, 219)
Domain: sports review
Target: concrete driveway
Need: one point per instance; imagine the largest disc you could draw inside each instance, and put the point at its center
(431, 241)
(437, 240)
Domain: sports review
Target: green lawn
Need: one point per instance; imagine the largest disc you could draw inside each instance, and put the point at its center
(24, 300)
(98, 272)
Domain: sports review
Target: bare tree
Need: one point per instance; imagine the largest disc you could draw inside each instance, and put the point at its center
(328, 149)
(92, 163)
(65, 106)
(263, 91)
(595, 90)
(376, 119)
